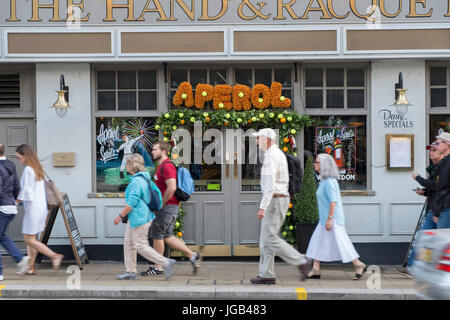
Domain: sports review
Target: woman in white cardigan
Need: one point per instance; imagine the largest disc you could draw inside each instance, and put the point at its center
(32, 194)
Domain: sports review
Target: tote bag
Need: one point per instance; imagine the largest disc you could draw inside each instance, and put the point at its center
(53, 195)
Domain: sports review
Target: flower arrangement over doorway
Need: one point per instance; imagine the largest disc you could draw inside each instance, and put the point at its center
(236, 107)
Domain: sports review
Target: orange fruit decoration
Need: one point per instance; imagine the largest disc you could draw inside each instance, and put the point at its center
(180, 234)
(208, 119)
(286, 140)
(181, 121)
(290, 205)
(285, 149)
(165, 132)
(283, 120)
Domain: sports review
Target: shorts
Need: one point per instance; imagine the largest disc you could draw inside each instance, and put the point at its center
(164, 222)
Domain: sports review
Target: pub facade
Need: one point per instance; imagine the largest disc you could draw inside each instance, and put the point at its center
(123, 62)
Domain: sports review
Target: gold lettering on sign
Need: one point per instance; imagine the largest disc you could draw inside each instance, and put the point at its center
(412, 9)
(257, 12)
(158, 8)
(322, 8)
(367, 16)
(70, 6)
(286, 6)
(110, 6)
(13, 17)
(37, 6)
(386, 14)
(448, 9)
(333, 13)
(189, 12)
(205, 15)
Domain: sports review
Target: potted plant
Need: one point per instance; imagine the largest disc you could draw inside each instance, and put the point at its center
(305, 208)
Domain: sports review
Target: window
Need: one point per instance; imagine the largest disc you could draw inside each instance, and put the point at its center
(122, 90)
(194, 77)
(9, 92)
(438, 123)
(252, 76)
(438, 87)
(116, 138)
(334, 88)
(344, 138)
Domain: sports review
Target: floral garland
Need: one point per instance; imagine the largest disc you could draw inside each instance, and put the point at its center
(226, 97)
(288, 123)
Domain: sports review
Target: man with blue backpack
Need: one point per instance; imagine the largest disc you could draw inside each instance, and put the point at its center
(175, 185)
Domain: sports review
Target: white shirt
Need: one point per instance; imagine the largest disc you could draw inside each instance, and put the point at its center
(8, 209)
(274, 175)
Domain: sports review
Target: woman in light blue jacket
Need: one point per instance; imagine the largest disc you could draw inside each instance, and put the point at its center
(137, 197)
(330, 241)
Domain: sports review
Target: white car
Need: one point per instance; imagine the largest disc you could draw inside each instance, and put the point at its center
(431, 265)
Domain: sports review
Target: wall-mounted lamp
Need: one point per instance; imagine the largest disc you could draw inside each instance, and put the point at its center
(401, 104)
(62, 104)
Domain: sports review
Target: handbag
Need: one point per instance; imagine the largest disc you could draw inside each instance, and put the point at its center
(52, 194)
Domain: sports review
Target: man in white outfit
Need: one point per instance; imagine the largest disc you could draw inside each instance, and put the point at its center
(127, 147)
(273, 208)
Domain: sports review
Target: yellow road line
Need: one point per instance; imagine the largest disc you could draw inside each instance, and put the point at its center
(302, 294)
(1, 288)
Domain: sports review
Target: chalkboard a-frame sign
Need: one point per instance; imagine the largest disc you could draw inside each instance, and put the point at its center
(72, 230)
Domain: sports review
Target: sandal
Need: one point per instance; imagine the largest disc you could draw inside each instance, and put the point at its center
(31, 271)
(359, 275)
(314, 274)
(56, 261)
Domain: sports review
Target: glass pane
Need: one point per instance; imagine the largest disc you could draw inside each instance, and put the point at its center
(127, 100)
(198, 76)
(177, 77)
(283, 76)
(335, 77)
(147, 79)
(126, 79)
(438, 123)
(106, 100)
(344, 138)
(314, 77)
(106, 80)
(251, 166)
(355, 99)
(355, 78)
(287, 94)
(217, 77)
(112, 148)
(244, 76)
(438, 98)
(9, 91)
(147, 100)
(335, 99)
(263, 76)
(314, 99)
(438, 76)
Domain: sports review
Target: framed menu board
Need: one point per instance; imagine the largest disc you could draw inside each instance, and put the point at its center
(73, 232)
(400, 151)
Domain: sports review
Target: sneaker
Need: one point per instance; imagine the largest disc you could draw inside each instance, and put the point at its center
(22, 266)
(127, 276)
(169, 268)
(152, 271)
(1, 277)
(196, 262)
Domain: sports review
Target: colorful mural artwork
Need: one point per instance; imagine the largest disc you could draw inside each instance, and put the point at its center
(340, 143)
(116, 139)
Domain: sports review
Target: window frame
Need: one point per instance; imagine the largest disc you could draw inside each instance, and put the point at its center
(366, 111)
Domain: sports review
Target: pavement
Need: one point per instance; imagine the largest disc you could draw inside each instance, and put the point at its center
(216, 280)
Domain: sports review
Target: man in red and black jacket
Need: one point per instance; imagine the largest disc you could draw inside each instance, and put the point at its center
(162, 229)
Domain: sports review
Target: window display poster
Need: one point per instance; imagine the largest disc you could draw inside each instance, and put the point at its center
(340, 143)
(116, 140)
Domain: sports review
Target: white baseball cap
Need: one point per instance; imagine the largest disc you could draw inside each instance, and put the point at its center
(444, 136)
(266, 132)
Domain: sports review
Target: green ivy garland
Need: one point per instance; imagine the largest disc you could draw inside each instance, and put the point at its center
(287, 122)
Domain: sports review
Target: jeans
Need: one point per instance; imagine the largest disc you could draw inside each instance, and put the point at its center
(5, 241)
(443, 223)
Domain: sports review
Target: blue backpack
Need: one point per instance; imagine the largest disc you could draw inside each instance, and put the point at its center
(156, 202)
(185, 183)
